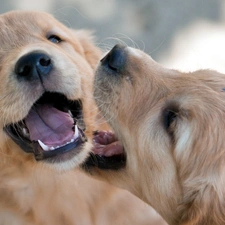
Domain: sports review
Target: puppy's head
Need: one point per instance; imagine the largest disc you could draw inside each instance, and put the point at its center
(171, 125)
(46, 70)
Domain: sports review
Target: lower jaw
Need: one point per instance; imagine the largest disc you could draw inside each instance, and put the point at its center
(73, 163)
(62, 157)
(68, 160)
(61, 154)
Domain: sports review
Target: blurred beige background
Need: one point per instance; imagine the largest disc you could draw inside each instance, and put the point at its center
(183, 34)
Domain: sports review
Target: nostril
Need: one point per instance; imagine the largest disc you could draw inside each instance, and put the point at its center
(116, 58)
(23, 70)
(44, 65)
(33, 65)
(45, 61)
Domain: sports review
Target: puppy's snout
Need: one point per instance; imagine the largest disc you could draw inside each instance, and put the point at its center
(115, 59)
(33, 65)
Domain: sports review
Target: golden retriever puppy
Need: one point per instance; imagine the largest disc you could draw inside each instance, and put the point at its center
(47, 117)
(171, 126)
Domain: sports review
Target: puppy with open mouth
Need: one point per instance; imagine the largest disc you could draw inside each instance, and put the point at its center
(45, 88)
(47, 117)
(171, 130)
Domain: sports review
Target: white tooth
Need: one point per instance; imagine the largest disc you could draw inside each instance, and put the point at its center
(57, 146)
(44, 147)
(76, 133)
(70, 113)
(52, 148)
(25, 131)
(72, 140)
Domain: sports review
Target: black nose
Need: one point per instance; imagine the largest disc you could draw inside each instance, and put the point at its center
(32, 66)
(115, 59)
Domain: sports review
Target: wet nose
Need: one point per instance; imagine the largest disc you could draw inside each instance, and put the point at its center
(33, 65)
(115, 60)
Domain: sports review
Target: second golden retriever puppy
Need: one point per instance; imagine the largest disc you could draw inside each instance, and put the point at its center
(47, 117)
(171, 126)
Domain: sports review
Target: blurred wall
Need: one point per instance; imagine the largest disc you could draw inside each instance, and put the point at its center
(176, 33)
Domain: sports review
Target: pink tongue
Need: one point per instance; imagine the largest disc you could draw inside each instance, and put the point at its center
(50, 125)
(106, 144)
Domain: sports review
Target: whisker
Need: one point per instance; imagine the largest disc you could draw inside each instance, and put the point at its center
(155, 49)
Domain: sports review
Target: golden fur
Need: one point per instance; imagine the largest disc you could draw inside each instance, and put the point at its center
(39, 192)
(171, 125)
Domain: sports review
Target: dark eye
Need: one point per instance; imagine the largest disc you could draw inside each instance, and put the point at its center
(169, 118)
(55, 39)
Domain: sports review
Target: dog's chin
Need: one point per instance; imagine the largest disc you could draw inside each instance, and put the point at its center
(107, 152)
(70, 163)
(53, 131)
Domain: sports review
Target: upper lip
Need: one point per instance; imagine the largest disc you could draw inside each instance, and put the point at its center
(53, 125)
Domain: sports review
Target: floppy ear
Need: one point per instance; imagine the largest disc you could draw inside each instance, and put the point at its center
(92, 53)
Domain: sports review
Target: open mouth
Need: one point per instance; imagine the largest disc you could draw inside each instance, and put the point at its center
(53, 129)
(107, 152)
